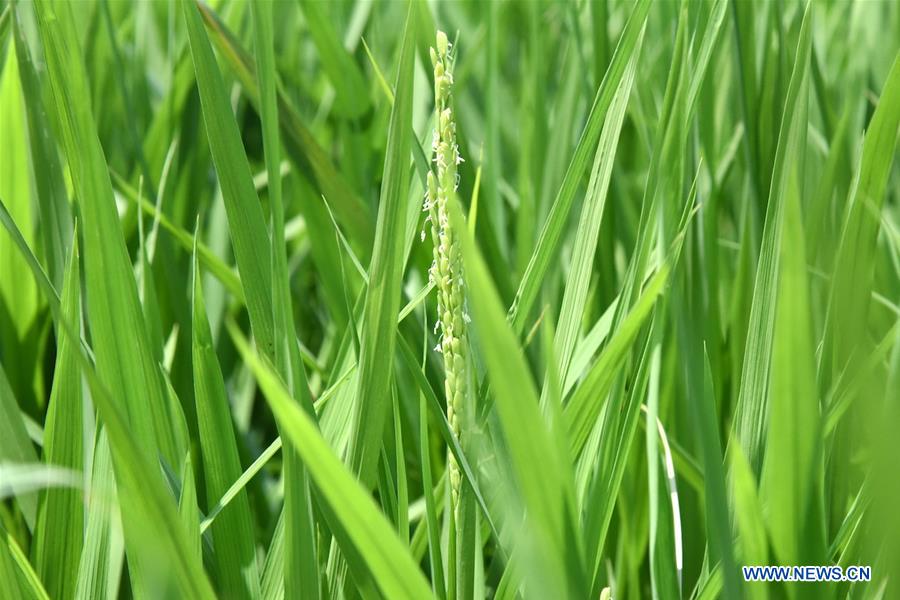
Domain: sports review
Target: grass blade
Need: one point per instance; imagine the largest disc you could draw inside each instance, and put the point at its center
(385, 271)
(245, 217)
(302, 147)
(301, 573)
(18, 294)
(540, 472)
(60, 522)
(587, 400)
(435, 558)
(792, 473)
(15, 446)
(187, 507)
(17, 572)
(233, 531)
(56, 220)
(585, 244)
(153, 515)
(124, 357)
(351, 93)
(752, 404)
(848, 305)
(100, 566)
(548, 242)
(370, 533)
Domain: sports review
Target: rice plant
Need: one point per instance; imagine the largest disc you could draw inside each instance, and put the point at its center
(641, 336)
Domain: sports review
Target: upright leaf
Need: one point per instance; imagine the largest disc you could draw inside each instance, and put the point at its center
(370, 534)
(550, 237)
(15, 446)
(379, 325)
(351, 93)
(245, 217)
(55, 217)
(541, 475)
(752, 404)
(793, 469)
(152, 515)
(585, 244)
(187, 506)
(100, 566)
(59, 534)
(301, 573)
(18, 293)
(851, 288)
(233, 529)
(18, 576)
(124, 357)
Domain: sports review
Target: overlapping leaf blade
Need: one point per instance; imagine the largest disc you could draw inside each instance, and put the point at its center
(233, 530)
(61, 515)
(377, 340)
(752, 404)
(388, 562)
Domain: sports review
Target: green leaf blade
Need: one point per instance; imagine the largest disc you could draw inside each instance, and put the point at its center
(233, 530)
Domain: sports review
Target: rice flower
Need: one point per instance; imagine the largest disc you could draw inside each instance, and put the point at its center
(446, 271)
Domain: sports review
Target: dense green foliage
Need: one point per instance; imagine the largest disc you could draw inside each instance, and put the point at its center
(649, 249)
